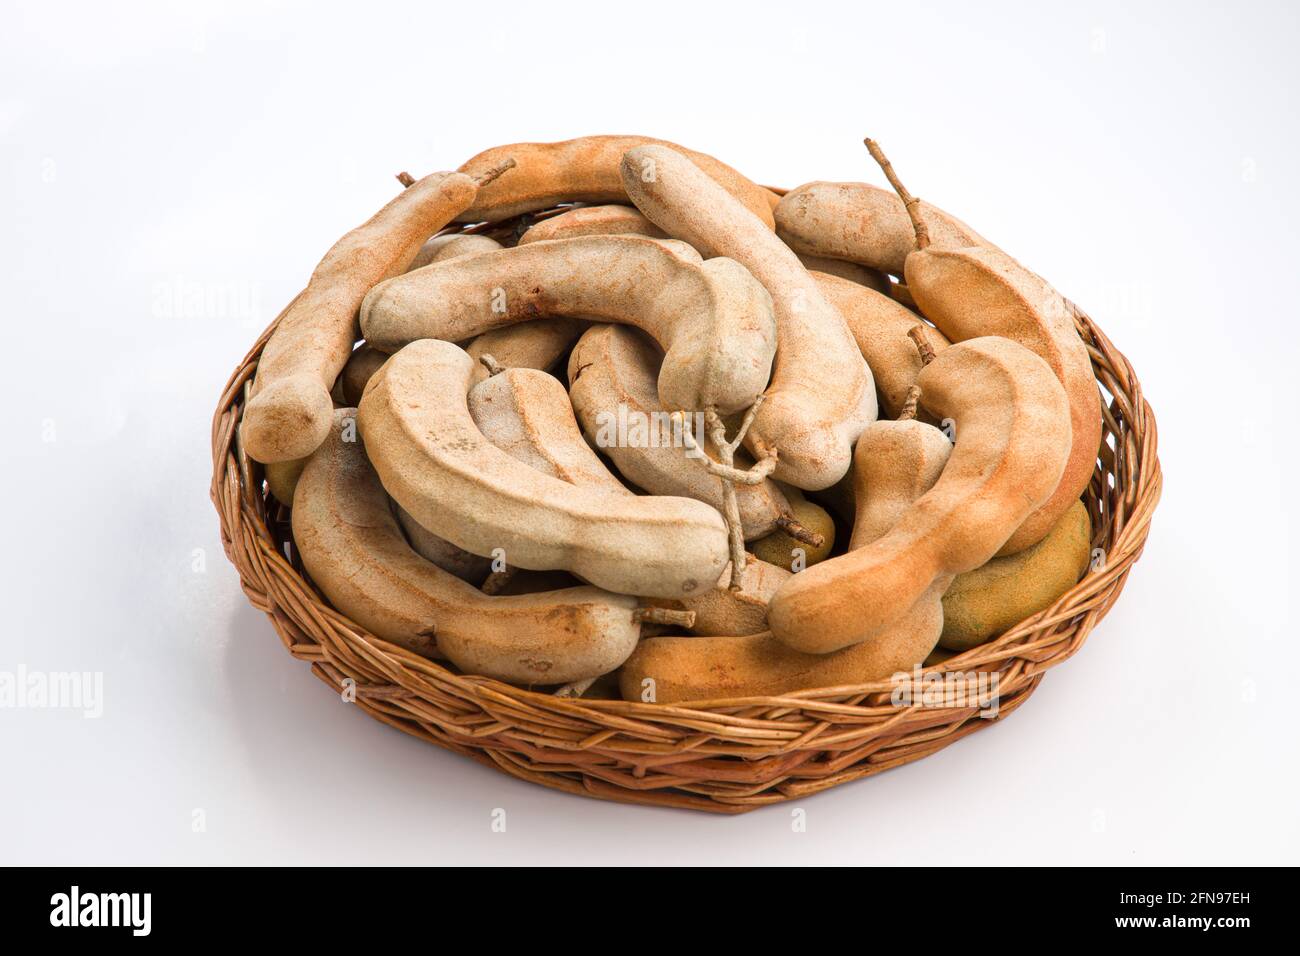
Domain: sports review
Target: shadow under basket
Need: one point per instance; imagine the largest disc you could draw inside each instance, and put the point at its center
(723, 756)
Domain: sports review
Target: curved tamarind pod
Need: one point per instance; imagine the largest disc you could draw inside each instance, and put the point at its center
(995, 597)
(436, 463)
(713, 319)
(363, 363)
(282, 476)
(850, 271)
(355, 553)
(537, 344)
(289, 410)
(1012, 424)
(821, 394)
(593, 221)
(880, 326)
(470, 568)
(970, 289)
(677, 669)
(861, 223)
(974, 291)
(894, 464)
(526, 413)
(612, 372)
(452, 245)
(584, 170)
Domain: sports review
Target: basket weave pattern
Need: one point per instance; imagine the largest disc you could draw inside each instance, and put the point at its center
(724, 756)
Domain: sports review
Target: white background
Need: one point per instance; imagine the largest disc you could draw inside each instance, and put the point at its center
(1141, 156)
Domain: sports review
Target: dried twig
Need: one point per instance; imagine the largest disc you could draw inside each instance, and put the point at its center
(791, 526)
(908, 411)
(664, 615)
(909, 201)
(922, 346)
(493, 172)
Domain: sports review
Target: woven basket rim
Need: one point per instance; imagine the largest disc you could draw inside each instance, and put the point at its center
(427, 699)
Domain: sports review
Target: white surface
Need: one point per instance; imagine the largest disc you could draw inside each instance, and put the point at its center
(170, 178)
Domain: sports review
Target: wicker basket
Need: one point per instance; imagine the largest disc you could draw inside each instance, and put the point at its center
(724, 756)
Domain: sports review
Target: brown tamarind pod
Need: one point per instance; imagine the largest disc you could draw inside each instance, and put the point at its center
(970, 289)
(612, 374)
(289, 409)
(451, 245)
(584, 170)
(1011, 421)
(438, 465)
(881, 328)
(861, 223)
(526, 413)
(821, 393)
(612, 220)
(538, 344)
(983, 603)
(356, 554)
(895, 463)
(713, 319)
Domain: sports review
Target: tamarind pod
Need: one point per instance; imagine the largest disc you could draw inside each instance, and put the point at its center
(593, 221)
(289, 409)
(612, 372)
(850, 271)
(435, 462)
(789, 552)
(973, 289)
(894, 463)
(758, 665)
(526, 413)
(362, 363)
(583, 170)
(861, 223)
(880, 326)
(713, 319)
(1012, 424)
(282, 478)
(356, 554)
(725, 610)
(988, 601)
(821, 393)
(451, 246)
(470, 568)
(977, 291)
(722, 610)
(537, 344)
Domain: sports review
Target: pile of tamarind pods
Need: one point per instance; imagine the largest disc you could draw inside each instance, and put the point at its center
(604, 417)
